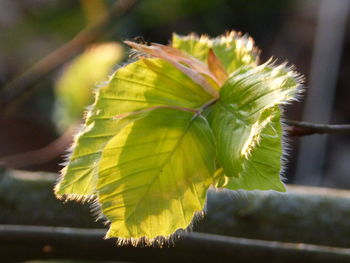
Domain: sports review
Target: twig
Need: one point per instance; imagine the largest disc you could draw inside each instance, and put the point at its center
(302, 128)
(25, 82)
(43, 155)
(29, 242)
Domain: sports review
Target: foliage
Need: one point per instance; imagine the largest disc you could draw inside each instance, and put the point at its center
(171, 124)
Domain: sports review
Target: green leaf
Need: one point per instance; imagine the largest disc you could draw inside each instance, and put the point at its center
(75, 86)
(139, 85)
(246, 124)
(154, 174)
(232, 49)
(155, 139)
(260, 172)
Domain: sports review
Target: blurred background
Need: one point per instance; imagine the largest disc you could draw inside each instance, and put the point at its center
(35, 129)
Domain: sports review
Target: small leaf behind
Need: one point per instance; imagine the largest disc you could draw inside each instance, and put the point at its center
(232, 49)
(74, 89)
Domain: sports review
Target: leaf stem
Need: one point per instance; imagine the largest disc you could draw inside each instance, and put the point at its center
(208, 104)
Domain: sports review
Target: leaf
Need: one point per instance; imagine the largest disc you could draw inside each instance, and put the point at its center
(154, 174)
(164, 129)
(260, 172)
(193, 68)
(246, 124)
(139, 85)
(232, 49)
(75, 86)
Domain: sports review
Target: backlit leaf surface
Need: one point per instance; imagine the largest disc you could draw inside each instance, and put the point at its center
(260, 172)
(139, 85)
(246, 124)
(154, 174)
(163, 130)
(233, 49)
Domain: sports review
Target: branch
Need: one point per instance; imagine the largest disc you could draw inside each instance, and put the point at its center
(302, 215)
(50, 152)
(22, 243)
(25, 82)
(302, 128)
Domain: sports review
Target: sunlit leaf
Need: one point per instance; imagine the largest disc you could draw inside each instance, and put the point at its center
(166, 127)
(233, 49)
(246, 123)
(193, 67)
(74, 88)
(139, 85)
(154, 174)
(258, 171)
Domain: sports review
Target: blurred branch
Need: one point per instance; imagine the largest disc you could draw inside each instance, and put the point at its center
(19, 243)
(43, 155)
(93, 9)
(302, 128)
(25, 82)
(27, 199)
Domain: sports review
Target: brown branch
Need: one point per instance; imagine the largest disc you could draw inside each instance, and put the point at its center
(302, 128)
(40, 156)
(25, 82)
(22, 243)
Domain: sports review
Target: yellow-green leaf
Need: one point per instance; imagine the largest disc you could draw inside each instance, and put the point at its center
(233, 49)
(246, 124)
(261, 171)
(154, 174)
(163, 129)
(139, 85)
